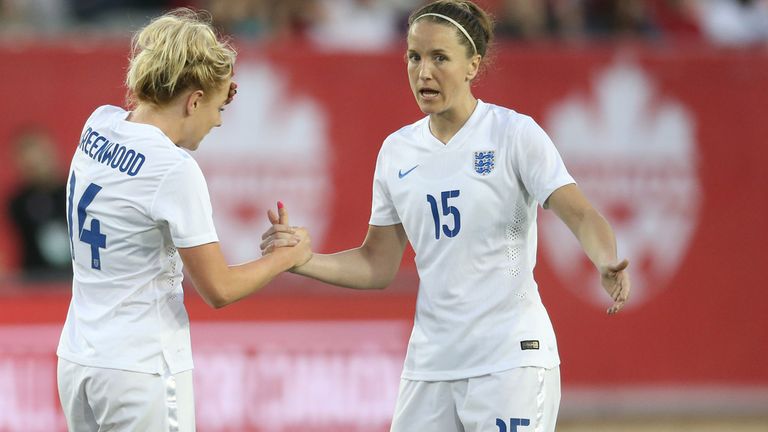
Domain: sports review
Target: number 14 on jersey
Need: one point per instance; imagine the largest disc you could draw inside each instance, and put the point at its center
(92, 236)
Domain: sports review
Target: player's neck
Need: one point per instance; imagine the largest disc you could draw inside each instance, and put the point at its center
(164, 118)
(446, 124)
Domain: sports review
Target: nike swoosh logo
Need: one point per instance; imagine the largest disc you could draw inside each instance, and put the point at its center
(402, 174)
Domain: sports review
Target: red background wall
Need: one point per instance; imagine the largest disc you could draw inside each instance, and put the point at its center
(706, 325)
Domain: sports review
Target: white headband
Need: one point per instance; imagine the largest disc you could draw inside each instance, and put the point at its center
(452, 21)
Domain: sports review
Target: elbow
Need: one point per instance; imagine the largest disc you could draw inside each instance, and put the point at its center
(383, 281)
(215, 297)
(379, 285)
(218, 303)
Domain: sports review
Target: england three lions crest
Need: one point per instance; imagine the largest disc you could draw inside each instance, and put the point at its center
(485, 161)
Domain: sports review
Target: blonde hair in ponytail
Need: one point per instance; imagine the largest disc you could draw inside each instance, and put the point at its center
(175, 52)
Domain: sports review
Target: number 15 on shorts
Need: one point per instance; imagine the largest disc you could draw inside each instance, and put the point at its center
(513, 424)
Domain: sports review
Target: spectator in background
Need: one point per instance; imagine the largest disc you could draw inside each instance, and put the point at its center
(535, 19)
(244, 18)
(96, 9)
(272, 20)
(291, 19)
(32, 17)
(358, 24)
(733, 22)
(619, 18)
(37, 209)
(114, 17)
(575, 19)
(677, 19)
(525, 19)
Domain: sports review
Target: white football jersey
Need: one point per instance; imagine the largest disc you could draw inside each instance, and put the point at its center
(133, 197)
(469, 210)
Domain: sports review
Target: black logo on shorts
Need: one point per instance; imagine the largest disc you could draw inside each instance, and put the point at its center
(529, 345)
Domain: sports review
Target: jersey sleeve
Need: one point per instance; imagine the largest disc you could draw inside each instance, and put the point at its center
(540, 166)
(182, 201)
(383, 212)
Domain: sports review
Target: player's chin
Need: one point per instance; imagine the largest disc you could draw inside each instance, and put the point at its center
(427, 107)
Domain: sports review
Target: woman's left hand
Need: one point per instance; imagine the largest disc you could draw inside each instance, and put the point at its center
(615, 280)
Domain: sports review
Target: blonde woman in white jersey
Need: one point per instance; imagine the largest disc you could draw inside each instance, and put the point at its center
(138, 207)
(462, 186)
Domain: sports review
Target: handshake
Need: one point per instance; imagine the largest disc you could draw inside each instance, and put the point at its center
(282, 238)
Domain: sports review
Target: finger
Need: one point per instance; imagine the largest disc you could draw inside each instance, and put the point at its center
(624, 294)
(270, 232)
(269, 240)
(232, 92)
(283, 212)
(621, 299)
(278, 235)
(285, 242)
(617, 306)
(619, 292)
(622, 282)
(279, 243)
(273, 219)
(277, 229)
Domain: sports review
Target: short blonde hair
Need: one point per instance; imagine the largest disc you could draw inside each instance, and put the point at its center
(175, 52)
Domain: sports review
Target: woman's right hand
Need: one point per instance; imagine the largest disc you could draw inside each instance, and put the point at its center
(283, 237)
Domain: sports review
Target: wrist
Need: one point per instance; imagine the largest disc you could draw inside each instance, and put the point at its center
(300, 267)
(605, 265)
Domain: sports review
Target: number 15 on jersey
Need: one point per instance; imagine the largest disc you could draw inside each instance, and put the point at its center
(447, 210)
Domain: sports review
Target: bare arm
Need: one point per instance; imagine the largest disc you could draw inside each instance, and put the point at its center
(220, 284)
(596, 238)
(373, 265)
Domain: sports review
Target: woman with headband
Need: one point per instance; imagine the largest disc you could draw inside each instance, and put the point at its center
(462, 185)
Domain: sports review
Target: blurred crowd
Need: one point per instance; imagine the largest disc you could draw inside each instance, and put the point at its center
(372, 24)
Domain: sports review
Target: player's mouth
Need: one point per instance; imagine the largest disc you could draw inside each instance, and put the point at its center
(428, 94)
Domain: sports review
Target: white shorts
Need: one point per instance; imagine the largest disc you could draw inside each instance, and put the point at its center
(524, 399)
(96, 399)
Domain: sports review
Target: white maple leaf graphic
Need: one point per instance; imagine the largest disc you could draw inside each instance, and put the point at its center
(634, 155)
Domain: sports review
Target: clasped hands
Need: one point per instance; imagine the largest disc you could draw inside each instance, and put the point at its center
(282, 237)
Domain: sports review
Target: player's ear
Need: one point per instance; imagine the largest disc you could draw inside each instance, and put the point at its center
(194, 100)
(473, 67)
